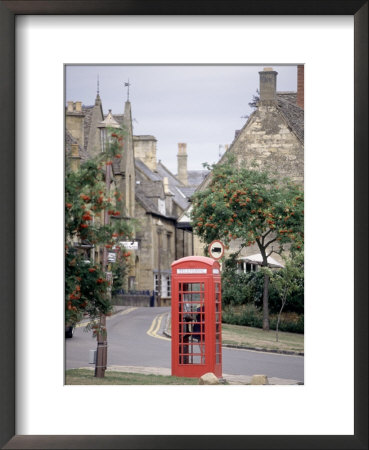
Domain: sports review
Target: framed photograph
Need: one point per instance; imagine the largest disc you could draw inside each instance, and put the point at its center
(38, 410)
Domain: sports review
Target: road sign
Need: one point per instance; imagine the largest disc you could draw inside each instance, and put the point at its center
(216, 249)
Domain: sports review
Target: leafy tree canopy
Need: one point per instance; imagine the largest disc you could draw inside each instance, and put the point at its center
(250, 206)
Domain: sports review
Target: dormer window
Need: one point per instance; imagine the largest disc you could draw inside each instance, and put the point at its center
(105, 137)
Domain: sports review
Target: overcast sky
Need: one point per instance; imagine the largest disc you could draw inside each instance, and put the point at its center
(199, 105)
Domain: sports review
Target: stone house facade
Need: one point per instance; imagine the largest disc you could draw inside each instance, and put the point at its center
(272, 138)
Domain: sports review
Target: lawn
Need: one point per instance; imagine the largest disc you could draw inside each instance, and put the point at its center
(266, 340)
(86, 376)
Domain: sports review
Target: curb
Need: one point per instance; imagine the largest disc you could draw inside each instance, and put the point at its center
(259, 349)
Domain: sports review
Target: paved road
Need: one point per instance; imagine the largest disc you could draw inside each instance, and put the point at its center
(131, 345)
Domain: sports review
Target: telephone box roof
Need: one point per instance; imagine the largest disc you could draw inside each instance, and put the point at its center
(198, 259)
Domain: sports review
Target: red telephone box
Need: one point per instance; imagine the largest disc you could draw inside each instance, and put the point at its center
(196, 317)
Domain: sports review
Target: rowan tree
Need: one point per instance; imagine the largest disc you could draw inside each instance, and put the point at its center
(86, 200)
(250, 206)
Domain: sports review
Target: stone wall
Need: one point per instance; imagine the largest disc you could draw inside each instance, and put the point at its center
(267, 141)
(133, 300)
(74, 124)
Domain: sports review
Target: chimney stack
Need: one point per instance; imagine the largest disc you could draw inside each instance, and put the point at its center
(268, 85)
(166, 185)
(70, 107)
(182, 163)
(300, 86)
(78, 107)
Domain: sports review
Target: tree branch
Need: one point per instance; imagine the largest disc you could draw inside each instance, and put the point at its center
(270, 242)
(263, 236)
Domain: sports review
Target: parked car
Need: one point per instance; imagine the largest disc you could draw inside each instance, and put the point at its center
(69, 331)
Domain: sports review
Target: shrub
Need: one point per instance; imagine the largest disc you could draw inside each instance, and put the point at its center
(247, 288)
(249, 315)
(241, 288)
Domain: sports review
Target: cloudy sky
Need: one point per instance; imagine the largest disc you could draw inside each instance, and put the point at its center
(199, 105)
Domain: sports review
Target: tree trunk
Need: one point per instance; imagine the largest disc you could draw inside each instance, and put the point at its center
(280, 312)
(266, 303)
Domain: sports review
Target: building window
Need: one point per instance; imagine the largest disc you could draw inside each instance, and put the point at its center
(166, 285)
(156, 283)
(169, 286)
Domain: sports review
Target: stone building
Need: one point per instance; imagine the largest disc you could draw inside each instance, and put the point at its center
(152, 195)
(272, 137)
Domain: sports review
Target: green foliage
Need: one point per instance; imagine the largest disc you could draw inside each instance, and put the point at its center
(241, 288)
(249, 315)
(120, 269)
(248, 205)
(85, 287)
(288, 283)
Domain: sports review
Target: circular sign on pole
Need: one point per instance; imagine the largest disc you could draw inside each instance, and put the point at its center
(216, 249)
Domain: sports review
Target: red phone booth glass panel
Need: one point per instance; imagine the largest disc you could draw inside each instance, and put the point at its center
(196, 317)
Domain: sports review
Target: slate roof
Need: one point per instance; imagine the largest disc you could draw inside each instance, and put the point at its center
(148, 203)
(175, 186)
(289, 96)
(293, 114)
(148, 192)
(196, 177)
(188, 191)
(118, 117)
(149, 188)
(153, 176)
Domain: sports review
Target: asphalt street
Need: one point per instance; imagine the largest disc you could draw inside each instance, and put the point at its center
(135, 338)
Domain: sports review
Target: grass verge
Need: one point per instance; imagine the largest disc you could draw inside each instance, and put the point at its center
(86, 377)
(260, 339)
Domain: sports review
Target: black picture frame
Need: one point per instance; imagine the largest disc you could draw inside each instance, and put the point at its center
(8, 11)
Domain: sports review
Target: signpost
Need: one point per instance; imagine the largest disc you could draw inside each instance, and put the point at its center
(216, 249)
